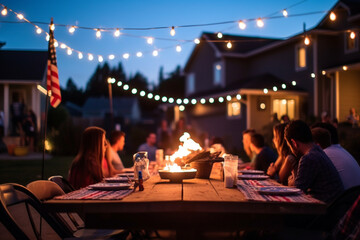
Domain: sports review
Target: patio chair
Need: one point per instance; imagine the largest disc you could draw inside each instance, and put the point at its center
(29, 215)
(63, 183)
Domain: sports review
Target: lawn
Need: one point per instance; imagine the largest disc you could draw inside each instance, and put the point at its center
(25, 171)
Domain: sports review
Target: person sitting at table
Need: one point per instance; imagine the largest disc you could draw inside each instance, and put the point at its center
(316, 173)
(246, 140)
(286, 163)
(149, 146)
(327, 138)
(86, 166)
(264, 155)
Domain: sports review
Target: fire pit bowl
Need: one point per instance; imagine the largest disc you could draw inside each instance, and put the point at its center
(203, 168)
(177, 177)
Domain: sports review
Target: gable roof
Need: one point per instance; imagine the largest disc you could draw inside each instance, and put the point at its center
(27, 66)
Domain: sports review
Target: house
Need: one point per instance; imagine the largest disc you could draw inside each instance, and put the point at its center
(242, 86)
(126, 108)
(20, 74)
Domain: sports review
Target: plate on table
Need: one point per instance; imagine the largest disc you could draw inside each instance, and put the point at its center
(278, 190)
(110, 186)
(116, 179)
(251, 171)
(130, 174)
(253, 176)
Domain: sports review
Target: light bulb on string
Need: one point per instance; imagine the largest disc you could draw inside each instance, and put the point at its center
(182, 108)
(211, 100)
(352, 35)
(186, 101)
(178, 48)
(100, 59)
(98, 33)
(69, 51)
(285, 13)
(134, 91)
(52, 27)
(275, 88)
(164, 99)
(56, 44)
(119, 83)
(196, 41)
(171, 100)
(345, 68)
(260, 22)
(178, 101)
(72, 29)
(228, 98)
(47, 38)
(142, 93)
(202, 101)
(157, 97)
(172, 31)
(139, 54)
(117, 33)
(90, 57)
(283, 86)
(111, 56)
(242, 25)
(38, 30)
(323, 72)
(4, 11)
(238, 97)
(221, 99)
(150, 95)
(332, 16)
(307, 41)
(126, 87)
(63, 45)
(80, 55)
(150, 40)
(266, 90)
(20, 16)
(293, 83)
(229, 45)
(193, 101)
(219, 35)
(155, 53)
(126, 55)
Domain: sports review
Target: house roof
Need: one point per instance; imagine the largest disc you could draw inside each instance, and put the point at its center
(22, 65)
(255, 83)
(121, 106)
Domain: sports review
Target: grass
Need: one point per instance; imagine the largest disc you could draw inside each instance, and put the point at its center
(25, 171)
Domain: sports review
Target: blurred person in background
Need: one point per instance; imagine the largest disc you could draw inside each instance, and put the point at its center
(264, 155)
(149, 146)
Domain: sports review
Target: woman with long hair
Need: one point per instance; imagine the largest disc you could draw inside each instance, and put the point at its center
(286, 162)
(86, 166)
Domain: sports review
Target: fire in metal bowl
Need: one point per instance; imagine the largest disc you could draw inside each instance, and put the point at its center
(177, 176)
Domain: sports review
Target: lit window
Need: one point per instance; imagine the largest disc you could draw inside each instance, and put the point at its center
(217, 73)
(284, 107)
(300, 58)
(190, 83)
(351, 41)
(233, 109)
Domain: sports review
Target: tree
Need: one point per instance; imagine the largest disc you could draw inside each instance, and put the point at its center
(139, 81)
(98, 85)
(174, 85)
(72, 93)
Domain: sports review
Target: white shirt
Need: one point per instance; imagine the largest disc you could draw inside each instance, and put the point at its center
(345, 164)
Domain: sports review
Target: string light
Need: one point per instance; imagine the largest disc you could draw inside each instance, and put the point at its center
(178, 101)
(171, 100)
(228, 98)
(150, 40)
(111, 56)
(69, 51)
(242, 25)
(275, 88)
(155, 53)
(134, 91)
(119, 83)
(47, 38)
(56, 44)
(157, 97)
(150, 95)
(139, 54)
(323, 72)
(126, 87)
(63, 45)
(142, 93)
(238, 97)
(117, 33)
(307, 41)
(211, 100)
(332, 16)
(345, 68)
(72, 29)
(221, 99)
(4, 11)
(285, 13)
(178, 48)
(100, 59)
(283, 86)
(193, 101)
(293, 83)
(229, 45)
(197, 41)
(172, 31)
(20, 16)
(312, 75)
(52, 27)
(352, 35)
(126, 55)
(164, 99)
(90, 57)
(266, 90)
(186, 101)
(202, 101)
(80, 55)
(182, 108)
(38, 30)
(260, 23)
(219, 35)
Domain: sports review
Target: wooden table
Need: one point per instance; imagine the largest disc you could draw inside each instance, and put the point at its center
(191, 206)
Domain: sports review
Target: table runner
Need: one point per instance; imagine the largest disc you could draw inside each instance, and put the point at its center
(249, 189)
(88, 194)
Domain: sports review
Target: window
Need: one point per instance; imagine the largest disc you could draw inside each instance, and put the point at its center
(217, 73)
(300, 57)
(190, 86)
(351, 41)
(233, 109)
(284, 106)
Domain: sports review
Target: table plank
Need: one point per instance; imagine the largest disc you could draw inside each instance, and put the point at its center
(199, 190)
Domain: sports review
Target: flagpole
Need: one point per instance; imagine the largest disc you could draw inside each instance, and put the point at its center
(44, 134)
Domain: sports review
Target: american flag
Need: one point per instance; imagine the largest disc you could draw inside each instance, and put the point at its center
(52, 72)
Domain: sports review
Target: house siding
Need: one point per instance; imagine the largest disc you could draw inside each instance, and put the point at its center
(349, 89)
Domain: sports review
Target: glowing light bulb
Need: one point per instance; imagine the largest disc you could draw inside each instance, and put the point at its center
(155, 53)
(80, 55)
(178, 101)
(126, 87)
(4, 11)
(323, 72)
(193, 101)
(285, 13)
(69, 51)
(20, 16)
(345, 68)
(219, 35)
(52, 27)
(275, 88)
(72, 29)
(139, 54)
(293, 83)
(307, 41)
(157, 97)
(202, 101)
(332, 16)
(126, 55)
(90, 57)
(182, 108)
(228, 98)
(178, 48)
(111, 56)
(283, 86)
(186, 101)
(119, 83)
(47, 37)
(134, 91)
(266, 90)
(164, 99)
(260, 22)
(150, 95)
(142, 93)
(196, 41)
(100, 58)
(352, 35)
(242, 25)
(312, 75)
(117, 33)
(63, 45)
(221, 99)
(238, 97)
(171, 100)
(172, 31)
(150, 40)
(38, 30)
(229, 45)
(98, 33)
(56, 44)
(211, 100)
